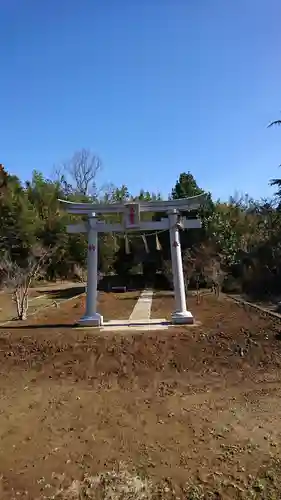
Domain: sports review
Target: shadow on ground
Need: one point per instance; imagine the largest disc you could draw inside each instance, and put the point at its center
(65, 293)
(37, 326)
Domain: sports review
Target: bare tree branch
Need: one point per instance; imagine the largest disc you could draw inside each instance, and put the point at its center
(203, 262)
(82, 168)
(214, 273)
(274, 123)
(19, 279)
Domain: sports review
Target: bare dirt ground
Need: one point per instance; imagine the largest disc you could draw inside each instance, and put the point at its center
(193, 411)
(273, 304)
(39, 297)
(57, 293)
(8, 307)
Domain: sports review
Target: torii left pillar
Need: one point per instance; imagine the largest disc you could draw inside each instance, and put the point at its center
(92, 317)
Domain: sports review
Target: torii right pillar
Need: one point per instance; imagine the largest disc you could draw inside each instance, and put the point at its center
(181, 315)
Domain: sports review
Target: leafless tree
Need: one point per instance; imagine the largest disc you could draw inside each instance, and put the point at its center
(81, 170)
(19, 279)
(80, 273)
(190, 271)
(214, 274)
(203, 262)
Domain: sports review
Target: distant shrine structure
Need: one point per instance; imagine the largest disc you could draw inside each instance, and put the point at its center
(131, 221)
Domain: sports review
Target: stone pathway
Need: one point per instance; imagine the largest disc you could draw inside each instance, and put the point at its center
(139, 319)
(142, 308)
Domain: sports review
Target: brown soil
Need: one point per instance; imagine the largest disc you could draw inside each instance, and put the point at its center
(110, 305)
(117, 305)
(114, 306)
(198, 405)
(8, 307)
(39, 298)
(162, 304)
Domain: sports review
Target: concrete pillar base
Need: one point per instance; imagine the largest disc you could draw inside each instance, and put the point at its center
(182, 318)
(95, 320)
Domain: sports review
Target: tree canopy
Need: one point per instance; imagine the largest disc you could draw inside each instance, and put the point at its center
(244, 235)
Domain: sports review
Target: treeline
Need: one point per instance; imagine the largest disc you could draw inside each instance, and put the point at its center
(239, 245)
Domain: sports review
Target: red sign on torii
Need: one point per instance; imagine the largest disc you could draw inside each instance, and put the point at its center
(132, 215)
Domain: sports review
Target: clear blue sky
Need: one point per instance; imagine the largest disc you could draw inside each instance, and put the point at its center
(155, 87)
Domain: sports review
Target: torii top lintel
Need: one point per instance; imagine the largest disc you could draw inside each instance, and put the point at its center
(182, 204)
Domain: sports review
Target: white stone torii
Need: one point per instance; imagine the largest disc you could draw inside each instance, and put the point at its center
(131, 221)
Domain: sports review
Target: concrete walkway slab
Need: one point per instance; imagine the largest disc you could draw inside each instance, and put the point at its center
(123, 325)
(142, 308)
(137, 325)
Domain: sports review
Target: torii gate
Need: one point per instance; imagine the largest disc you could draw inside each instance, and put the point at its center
(131, 221)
